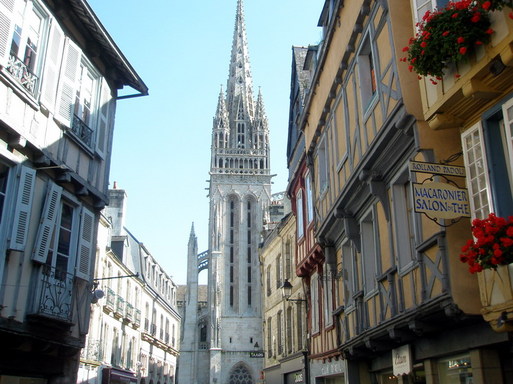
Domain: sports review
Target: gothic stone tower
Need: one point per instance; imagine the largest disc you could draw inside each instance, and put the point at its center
(239, 191)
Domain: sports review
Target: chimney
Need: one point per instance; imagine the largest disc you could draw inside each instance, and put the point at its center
(116, 210)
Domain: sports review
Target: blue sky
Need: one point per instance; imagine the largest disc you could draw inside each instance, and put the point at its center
(181, 50)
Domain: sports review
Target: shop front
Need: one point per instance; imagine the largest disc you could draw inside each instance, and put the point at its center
(111, 375)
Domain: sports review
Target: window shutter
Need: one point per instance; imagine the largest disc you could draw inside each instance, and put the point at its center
(23, 208)
(6, 29)
(476, 167)
(85, 245)
(47, 224)
(67, 83)
(52, 64)
(102, 133)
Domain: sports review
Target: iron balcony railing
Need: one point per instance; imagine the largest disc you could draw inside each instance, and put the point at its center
(54, 297)
(82, 131)
(120, 306)
(21, 73)
(129, 312)
(110, 302)
(137, 321)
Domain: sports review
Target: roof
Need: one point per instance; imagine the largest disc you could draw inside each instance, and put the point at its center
(89, 24)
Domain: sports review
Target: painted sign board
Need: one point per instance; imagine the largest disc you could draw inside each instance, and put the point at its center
(437, 169)
(401, 360)
(440, 200)
(256, 354)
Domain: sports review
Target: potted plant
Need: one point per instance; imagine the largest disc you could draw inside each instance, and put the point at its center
(492, 244)
(449, 35)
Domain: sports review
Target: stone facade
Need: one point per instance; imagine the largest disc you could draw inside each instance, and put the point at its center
(240, 193)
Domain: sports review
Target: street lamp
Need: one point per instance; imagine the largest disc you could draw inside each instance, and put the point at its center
(286, 291)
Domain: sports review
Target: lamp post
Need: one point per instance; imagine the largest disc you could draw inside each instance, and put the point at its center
(286, 291)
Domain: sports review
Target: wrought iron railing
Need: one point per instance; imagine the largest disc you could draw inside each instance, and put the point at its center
(55, 294)
(129, 312)
(21, 73)
(110, 302)
(120, 306)
(82, 131)
(137, 320)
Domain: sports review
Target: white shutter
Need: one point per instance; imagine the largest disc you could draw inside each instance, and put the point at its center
(67, 83)
(102, 131)
(47, 224)
(85, 245)
(51, 66)
(476, 166)
(23, 208)
(6, 29)
(507, 113)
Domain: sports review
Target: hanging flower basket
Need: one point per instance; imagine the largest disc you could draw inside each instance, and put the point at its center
(449, 35)
(492, 244)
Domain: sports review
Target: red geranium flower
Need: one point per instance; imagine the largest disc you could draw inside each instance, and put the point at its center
(463, 50)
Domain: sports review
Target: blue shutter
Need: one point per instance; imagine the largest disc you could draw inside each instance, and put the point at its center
(21, 219)
(85, 245)
(47, 224)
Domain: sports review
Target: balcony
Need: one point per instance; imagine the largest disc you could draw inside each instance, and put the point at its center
(129, 315)
(120, 307)
(465, 91)
(110, 301)
(54, 295)
(137, 318)
(21, 73)
(82, 131)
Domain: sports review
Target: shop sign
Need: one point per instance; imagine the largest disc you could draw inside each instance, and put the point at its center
(440, 200)
(401, 360)
(437, 169)
(298, 377)
(259, 354)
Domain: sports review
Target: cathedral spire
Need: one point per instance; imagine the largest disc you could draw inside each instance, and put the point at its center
(240, 83)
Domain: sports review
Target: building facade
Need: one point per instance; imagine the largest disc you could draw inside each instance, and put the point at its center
(135, 328)
(240, 194)
(390, 299)
(60, 74)
(284, 318)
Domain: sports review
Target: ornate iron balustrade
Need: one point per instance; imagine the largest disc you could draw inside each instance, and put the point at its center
(120, 306)
(55, 294)
(21, 73)
(82, 131)
(129, 312)
(137, 320)
(111, 299)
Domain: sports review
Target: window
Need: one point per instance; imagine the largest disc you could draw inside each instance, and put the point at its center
(322, 166)
(278, 272)
(299, 327)
(289, 330)
(455, 369)
(279, 334)
(422, 6)
(269, 337)
(477, 171)
(299, 214)
(366, 73)
(309, 198)
(314, 287)
(328, 301)
(249, 295)
(404, 220)
(369, 252)
(288, 260)
(268, 280)
(348, 273)
(30, 24)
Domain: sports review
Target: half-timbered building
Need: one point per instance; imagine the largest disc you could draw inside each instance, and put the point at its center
(387, 289)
